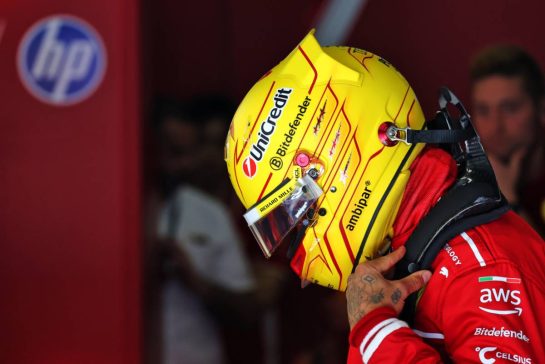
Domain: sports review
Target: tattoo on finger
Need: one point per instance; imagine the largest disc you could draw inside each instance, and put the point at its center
(377, 297)
(396, 296)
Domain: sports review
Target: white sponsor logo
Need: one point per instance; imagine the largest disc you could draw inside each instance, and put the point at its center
(61, 60)
(452, 254)
(444, 271)
(482, 353)
(501, 332)
(268, 126)
(266, 131)
(487, 356)
(515, 311)
(501, 295)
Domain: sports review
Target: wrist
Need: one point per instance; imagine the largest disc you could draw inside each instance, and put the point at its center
(368, 322)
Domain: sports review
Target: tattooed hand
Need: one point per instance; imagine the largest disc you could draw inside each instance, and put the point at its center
(368, 289)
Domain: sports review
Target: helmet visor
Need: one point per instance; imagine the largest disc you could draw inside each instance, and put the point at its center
(275, 215)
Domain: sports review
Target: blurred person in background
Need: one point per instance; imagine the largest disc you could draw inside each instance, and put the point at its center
(508, 93)
(259, 342)
(213, 113)
(206, 275)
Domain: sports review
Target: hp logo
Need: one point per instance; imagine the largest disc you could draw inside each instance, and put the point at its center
(61, 60)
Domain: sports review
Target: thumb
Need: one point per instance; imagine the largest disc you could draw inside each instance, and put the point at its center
(516, 160)
(385, 263)
(415, 281)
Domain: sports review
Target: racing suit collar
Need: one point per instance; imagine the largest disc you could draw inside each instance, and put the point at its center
(432, 174)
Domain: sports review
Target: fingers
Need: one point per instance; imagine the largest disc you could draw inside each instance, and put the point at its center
(520, 153)
(517, 158)
(383, 264)
(368, 289)
(414, 282)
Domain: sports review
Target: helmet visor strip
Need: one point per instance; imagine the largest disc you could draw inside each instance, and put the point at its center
(275, 215)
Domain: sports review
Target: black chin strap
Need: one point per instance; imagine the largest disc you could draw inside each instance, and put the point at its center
(441, 130)
(412, 136)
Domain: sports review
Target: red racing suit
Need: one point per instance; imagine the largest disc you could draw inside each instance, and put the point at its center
(485, 303)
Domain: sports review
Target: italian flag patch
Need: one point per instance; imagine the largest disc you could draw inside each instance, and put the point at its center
(499, 279)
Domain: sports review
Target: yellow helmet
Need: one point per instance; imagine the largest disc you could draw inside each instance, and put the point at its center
(313, 147)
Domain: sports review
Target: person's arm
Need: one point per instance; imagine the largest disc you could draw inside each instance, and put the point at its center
(234, 305)
(374, 302)
(488, 313)
(380, 337)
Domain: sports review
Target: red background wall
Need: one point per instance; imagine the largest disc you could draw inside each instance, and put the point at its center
(226, 45)
(69, 201)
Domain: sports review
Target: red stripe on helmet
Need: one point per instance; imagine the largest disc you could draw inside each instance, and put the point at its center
(409, 114)
(324, 134)
(362, 62)
(321, 257)
(333, 259)
(265, 75)
(402, 102)
(346, 242)
(342, 199)
(328, 133)
(313, 69)
(236, 178)
(264, 187)
(338, 161)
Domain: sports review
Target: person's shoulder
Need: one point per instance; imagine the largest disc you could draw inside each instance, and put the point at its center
(507, 241)
(199, 208)
(511, 236)
(464, 252)
(195, 196)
